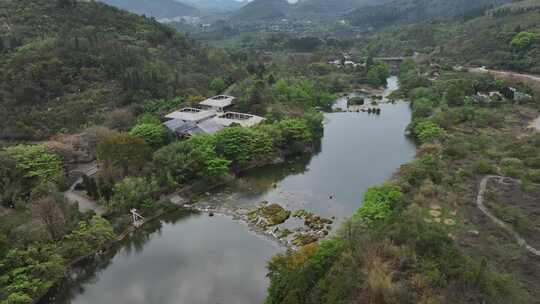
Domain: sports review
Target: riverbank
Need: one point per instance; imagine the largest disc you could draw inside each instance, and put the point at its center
(305, 182)
(330, 184)
(422, 233)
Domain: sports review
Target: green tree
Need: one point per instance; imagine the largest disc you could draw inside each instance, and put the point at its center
(243, 146)
(295, 135)
(217, 85)
(12, 182)
(410, 80)
(189, 160)
(306, 94)
(523, 41)
(88, 237)
(454, 95)
(35, 162)
(377, 74)
(153, 134)
(133, 192)
(48, 210)
(123, 152)
(28, 273)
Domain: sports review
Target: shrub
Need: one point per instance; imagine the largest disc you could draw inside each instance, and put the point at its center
(534, 176)
(483, 167)
(378, 203)
(428, 131)
(356, 101)
(423, 167)
(422, 92)
(456, 148)
(512, 167)
(295, 275)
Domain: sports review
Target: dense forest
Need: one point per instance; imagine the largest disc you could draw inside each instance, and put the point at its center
(504, 37)
(66, 64)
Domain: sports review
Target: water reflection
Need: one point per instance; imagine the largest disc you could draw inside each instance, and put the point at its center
(358, 150)
(191, 259)
(196, 260)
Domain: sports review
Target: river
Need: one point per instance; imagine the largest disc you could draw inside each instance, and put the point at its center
(194, 258)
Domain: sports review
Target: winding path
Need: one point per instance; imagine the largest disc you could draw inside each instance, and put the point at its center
(73, 195)
(480, 204)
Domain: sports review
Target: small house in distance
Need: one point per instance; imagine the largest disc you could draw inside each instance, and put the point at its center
(192, 114)
(244, 120)
(217, 103)
(208, 119)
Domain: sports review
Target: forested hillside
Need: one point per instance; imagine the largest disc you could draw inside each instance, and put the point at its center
(65, 64)
(260, 10)
(332, 7)
(504, 37)
(410, 11)
(155, 8)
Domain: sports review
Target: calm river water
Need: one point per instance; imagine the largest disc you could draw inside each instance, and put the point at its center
(192, 259)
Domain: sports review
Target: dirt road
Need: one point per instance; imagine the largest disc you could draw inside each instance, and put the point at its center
(506, 73)
(480, 204)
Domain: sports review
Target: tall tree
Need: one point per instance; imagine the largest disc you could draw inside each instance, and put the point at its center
(48, 211)
(122, 153)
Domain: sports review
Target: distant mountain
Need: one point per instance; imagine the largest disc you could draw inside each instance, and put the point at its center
(484, 38)
(410, 11)
(155, 8)
(216, 5)
(262, 10)
(331, 6)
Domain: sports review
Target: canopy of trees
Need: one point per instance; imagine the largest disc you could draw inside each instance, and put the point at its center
(64, 65)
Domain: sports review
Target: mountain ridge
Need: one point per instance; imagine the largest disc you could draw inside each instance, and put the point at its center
(262, 10)
(155, 8)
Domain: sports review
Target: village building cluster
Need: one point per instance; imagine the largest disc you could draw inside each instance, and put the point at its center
(210, 117)
(345, 61)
